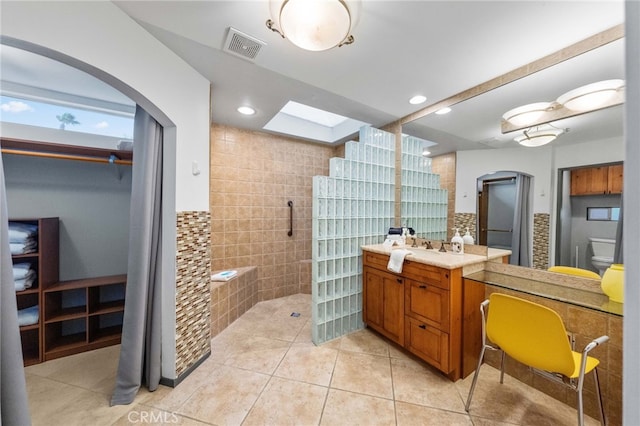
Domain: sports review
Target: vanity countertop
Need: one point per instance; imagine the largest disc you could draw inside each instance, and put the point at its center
(447, 260)
(549, 288)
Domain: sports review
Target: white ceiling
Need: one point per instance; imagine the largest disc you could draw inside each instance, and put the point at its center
(402, 48)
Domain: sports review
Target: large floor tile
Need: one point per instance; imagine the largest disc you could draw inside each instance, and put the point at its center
(227, 398)
(287, 402)
(308, 364)
(364, 341)
(415, 383)
(362, 373)
(353, 409)
(417, 415)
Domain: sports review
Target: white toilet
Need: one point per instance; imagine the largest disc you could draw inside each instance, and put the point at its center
(603, 249)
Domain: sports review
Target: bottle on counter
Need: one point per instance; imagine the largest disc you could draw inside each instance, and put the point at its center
(467, 238)
(457, 243)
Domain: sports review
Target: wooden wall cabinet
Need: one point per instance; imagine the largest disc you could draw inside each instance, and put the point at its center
(45, 262)
(427, 303)
(597, 180)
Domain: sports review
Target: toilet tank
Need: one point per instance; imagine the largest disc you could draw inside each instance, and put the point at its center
(602, 247)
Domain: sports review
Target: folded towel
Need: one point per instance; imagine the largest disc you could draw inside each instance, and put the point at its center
(224, 275)
(21, 270)
(23, 248)
(28, 316)
(397, 259)
(24, 283)
(20, 232)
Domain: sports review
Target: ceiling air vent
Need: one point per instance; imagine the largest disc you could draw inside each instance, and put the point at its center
(243, 45)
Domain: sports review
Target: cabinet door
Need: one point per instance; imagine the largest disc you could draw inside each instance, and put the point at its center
(384, 303)
(589, 181)
(615, 181)
(427, 303)
(429, 343)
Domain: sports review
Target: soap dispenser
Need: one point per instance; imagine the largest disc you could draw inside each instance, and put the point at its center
(467, 238)
(457, 243)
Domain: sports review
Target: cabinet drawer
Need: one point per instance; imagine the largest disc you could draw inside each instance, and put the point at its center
(427, 303)
(428, 343)
(410, 269)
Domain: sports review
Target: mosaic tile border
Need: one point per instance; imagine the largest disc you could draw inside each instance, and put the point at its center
(193, 290)
(541, 240)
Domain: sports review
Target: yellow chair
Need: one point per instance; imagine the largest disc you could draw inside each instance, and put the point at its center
(535, 336)
(570, 270)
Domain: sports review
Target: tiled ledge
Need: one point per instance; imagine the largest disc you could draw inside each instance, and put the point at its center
(230, 299)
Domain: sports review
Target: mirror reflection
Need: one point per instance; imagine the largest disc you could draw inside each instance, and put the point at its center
(473, 131)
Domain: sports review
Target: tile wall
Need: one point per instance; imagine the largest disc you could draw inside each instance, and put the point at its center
(253, 175)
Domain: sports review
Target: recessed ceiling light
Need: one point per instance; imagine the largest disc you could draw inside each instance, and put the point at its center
(246, 110)
(418, 99)
(442, 111)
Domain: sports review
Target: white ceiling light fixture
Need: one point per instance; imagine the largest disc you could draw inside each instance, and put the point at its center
(417, 99)
(246, 110)
(314, 25)
(538, 137)
(527, 114)
(443, 111)
(591, 96)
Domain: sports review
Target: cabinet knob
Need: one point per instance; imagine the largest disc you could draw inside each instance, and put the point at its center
(399, 280)
(422, 326)
(423, 286)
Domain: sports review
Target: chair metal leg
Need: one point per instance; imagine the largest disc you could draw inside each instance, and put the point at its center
(599, 395)
(580, 409)
(475, 379)
(502, 367)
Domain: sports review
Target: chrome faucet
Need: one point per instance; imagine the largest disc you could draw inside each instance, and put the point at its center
(427, 245)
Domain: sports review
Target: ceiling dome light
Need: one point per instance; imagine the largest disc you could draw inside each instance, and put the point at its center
(527, 114)
(246, 110)
(535, 138)
(443, 111)
(314, 25)
(591, 96)
(417, 99)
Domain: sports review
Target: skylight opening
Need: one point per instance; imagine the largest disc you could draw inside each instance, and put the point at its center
(315, 115)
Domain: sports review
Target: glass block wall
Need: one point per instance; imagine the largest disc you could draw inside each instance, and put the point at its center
(353, 206)
(424, 203)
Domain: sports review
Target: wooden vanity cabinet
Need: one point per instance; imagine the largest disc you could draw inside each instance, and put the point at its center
(429, 310)
(383, 306)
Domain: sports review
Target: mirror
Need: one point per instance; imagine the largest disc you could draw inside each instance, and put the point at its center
(475, 124)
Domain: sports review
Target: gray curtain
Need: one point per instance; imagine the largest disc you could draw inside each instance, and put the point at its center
(141, 332)
(14, 407)
(521, 243)
(617, 254)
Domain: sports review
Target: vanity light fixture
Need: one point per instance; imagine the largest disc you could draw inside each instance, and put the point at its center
(314, 25)
(443, 111)
(527, 114)
(591, 96)
(417, 99)
(246, 110)
(538, 137)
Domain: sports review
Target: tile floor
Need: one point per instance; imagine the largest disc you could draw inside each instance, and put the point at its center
(264, 370)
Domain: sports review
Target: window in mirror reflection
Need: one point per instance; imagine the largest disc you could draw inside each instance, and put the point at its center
(603, 213)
